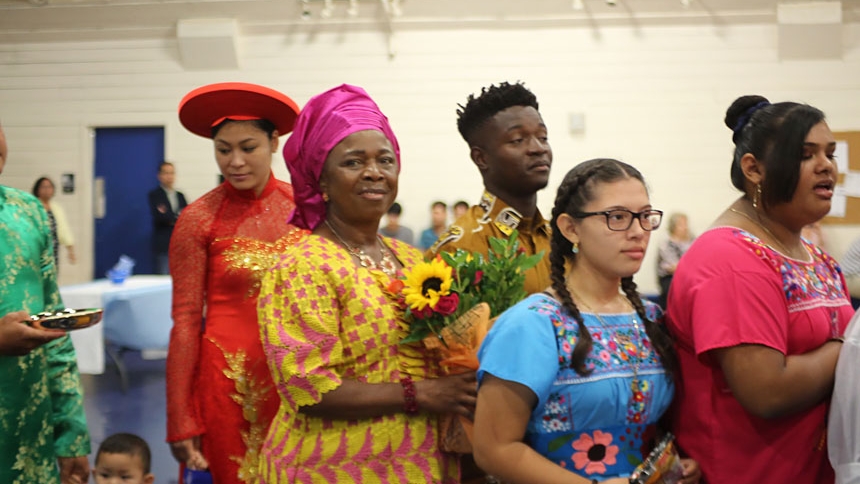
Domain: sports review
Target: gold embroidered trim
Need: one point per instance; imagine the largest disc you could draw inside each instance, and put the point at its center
(249, 395)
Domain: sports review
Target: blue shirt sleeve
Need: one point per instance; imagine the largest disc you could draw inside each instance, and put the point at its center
(521, 347)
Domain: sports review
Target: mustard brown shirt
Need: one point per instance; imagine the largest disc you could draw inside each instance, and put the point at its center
(494, 218)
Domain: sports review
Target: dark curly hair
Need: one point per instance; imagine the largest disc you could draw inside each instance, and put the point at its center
(575, 191)
(478, 110)
(774, 134)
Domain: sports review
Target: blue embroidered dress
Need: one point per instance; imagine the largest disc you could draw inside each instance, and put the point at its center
(592, 425)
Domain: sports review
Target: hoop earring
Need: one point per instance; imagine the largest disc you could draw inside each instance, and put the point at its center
(756, 196)
(575, 248)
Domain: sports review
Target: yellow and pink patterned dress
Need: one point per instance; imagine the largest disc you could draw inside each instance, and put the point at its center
(323, 319)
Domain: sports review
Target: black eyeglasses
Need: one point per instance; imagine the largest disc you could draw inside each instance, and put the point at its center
(621, 219)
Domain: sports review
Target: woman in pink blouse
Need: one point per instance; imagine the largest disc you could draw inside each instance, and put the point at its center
(757, 311)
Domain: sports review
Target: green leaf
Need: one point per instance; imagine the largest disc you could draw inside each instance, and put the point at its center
(448, 258)
(413, 337)
(530, 261)
(559, 442)
(497, 245)
(633, 459)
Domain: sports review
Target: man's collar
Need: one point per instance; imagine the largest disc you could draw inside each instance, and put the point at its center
(506, 218)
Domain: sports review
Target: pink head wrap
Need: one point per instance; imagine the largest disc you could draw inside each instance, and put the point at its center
(324, 122)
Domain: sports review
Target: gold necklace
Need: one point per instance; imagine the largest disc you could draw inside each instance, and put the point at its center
(386, 264)
(761, 225)
(634, 385)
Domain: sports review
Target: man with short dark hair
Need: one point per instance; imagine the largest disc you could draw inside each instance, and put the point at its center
(393, 229)
(438, 222)
(508, 143)
(165, 203)
(460, 209)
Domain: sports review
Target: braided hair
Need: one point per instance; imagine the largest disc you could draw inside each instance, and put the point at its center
(493, 99)
(575, 191)
(774, 134)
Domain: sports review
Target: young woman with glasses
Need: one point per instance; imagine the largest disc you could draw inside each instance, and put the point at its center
(573, 380)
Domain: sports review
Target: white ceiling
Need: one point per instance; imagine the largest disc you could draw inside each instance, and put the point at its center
(63, 20)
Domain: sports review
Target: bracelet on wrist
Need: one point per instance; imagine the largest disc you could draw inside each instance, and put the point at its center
(410, 402)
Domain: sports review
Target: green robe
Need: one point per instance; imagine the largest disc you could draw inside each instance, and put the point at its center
(41, 401)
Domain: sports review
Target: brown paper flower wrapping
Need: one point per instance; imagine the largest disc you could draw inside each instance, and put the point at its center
(458, 345)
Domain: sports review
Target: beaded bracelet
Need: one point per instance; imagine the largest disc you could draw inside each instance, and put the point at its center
(410, 403)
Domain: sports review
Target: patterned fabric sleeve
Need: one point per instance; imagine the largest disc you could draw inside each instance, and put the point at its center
(188, 260)
(71, 437)
(298, 314)
(46, 262)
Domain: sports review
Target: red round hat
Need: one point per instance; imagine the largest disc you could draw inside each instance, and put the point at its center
(206, 106)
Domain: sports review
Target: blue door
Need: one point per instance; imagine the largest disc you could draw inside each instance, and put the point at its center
(126, 166)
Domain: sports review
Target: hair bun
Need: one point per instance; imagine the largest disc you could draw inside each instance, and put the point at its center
(740, 107)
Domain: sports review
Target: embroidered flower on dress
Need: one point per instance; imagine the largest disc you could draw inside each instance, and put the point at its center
(556, 425)
(555, 418)
(594, 453)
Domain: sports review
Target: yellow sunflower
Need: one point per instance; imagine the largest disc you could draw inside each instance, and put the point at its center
(426, 283)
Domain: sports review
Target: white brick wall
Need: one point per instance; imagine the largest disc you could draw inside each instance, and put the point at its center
(652, 96)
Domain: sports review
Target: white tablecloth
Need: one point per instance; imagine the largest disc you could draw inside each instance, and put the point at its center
(137, 316)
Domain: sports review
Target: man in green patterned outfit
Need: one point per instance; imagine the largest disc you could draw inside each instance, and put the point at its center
(43, 428)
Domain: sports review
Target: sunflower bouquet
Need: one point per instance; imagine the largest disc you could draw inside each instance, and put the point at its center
(448, 302)
(437, 293)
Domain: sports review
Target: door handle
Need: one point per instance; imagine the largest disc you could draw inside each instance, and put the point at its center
(99, 205)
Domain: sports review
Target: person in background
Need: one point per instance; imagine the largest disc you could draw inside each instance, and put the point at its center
(165, 205)
(43, 426)
(758, 312)
(460, 209)
(220, 396)
(843, 418)
(814, 234)
(61, 233)
(573, 380)
(438, 222)
(357, 405)
(670, 252)
(508, 143)
(851, 270)
(123, 458)
(393, 228)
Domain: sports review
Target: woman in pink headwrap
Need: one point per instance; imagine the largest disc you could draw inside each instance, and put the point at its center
(356, 405)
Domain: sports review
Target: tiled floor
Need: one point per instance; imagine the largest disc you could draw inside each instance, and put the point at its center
(140, 411)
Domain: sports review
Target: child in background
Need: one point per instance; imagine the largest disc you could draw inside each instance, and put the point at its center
(123, 458)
